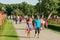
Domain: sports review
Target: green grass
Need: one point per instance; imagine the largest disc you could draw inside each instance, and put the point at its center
(8, 32)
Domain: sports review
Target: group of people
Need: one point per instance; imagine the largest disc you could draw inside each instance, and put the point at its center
(17, 19)
(33, 23)
(37, 24)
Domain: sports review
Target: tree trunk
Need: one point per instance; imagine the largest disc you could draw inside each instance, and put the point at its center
(49, 16)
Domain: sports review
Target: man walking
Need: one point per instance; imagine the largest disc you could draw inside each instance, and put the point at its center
(37, 26)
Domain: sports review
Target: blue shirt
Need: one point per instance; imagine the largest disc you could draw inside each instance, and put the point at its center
(37, 23)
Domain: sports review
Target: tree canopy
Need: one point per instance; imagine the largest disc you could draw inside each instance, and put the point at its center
(45, 7)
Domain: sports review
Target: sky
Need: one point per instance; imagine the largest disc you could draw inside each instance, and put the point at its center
(33, 2)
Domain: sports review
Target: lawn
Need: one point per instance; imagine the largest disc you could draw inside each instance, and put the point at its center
(8, 32)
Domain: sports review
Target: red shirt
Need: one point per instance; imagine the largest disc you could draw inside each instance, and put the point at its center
(46, 23)
(20, 18)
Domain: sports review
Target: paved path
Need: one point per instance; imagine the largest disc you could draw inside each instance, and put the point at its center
(44, 35)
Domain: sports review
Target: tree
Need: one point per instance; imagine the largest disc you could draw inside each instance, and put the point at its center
(43, 7)
(52, 7)
(58, 8)
(17, 12)
(1, 6)
(8, 9)
(49, 7)
(27, 8)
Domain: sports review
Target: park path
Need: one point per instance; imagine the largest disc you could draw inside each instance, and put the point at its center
(44, 35)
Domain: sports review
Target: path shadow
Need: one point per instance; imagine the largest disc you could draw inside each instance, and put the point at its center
(20, 28)
(16, 36)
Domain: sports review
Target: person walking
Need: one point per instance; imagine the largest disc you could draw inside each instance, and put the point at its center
(20, 19)
(30, 27)
(42, 23)
(37, 26)
(16, 19)
(46, 24)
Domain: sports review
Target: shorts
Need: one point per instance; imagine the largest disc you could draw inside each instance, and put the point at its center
(29, 28)
(37, 30)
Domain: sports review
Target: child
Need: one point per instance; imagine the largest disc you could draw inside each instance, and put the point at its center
(30, 27)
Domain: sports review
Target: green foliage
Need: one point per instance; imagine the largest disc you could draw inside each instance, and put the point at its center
(27, 9)
(50, 6)
(47, 6)
(8, 9)
(1, 6)
(37, 6)
(41, 8)
(17, 12)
